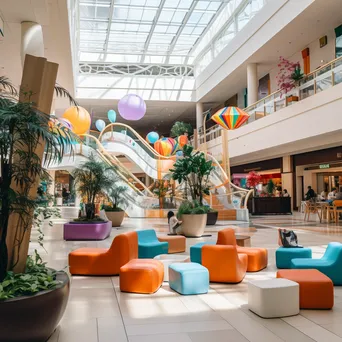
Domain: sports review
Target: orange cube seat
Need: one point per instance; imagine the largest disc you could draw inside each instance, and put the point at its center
(141, 276)
(105, 261)
(224, 264)
(257, 257)
(177, 243)
(316, 290)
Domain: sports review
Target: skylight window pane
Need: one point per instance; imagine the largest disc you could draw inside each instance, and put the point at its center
(188, 29)
(166, 16)
(122, 2)
(198, 30)
(120, 13)
(93, 25)
(178, 16)
(185, 4)
(214, 5)
(148, 15)
(203, 5)
(138, 2)
(172, 29)
(152, 3)
(195, 17)
(205, 19)
(171, 3)
(135, 14)
(160, 28)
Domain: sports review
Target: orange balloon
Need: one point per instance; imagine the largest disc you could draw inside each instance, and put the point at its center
(79, 118)
(182, 140)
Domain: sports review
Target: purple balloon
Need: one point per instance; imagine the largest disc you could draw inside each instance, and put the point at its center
(132, 107)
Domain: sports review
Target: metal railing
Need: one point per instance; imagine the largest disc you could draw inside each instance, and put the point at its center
(313, 83)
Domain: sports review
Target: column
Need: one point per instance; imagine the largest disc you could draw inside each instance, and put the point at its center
(199, 116)
(287, 177)
(32, 42)
(252, 83)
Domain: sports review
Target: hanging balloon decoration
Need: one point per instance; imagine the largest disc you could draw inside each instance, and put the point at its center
(152, 137)
(100, 124)
(182, 140)
(230, 117)
(132, 107)
(163, 147)
(79, 119)
(179, 154)
(111, 115)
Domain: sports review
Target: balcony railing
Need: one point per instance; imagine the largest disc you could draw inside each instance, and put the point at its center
(319, 80)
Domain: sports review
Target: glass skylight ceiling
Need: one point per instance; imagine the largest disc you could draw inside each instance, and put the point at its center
(143, 31)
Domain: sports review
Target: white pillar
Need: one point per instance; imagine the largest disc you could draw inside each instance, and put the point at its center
(32, 41)
(199, 115)
(252, 83)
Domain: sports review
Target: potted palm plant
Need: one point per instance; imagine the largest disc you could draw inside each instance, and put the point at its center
(193, 170)
(27, 285)
(117, 199)
(92, 179)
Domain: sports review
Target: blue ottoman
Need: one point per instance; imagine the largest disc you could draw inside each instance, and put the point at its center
(196, 251)
(285, 255)
(188, 278)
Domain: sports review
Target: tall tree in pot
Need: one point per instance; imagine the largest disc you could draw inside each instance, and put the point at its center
(92, 178)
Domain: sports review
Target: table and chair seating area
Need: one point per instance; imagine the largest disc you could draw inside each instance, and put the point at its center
(327, 211)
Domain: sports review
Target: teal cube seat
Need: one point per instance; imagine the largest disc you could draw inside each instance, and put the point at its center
(196, 251)
(188, 278)
(149, 246)
(330, 264)
(285, 255)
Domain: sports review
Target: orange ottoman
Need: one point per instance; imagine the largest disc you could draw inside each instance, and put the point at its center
(257, 258)
(141, 276)
(316, 290)
(176, 243)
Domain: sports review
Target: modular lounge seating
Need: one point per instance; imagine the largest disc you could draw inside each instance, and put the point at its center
(257, 257)
(285, 255)
(105, 261)
(177, 243)
(330, 264)
(141, 276)
(224, 263)
(188, 278)
(149, 246)
(316, 290)
(273, 298)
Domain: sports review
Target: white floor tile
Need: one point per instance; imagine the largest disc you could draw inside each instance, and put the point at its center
(161, 338)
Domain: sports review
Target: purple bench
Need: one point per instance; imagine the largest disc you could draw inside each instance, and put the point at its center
(87, 231)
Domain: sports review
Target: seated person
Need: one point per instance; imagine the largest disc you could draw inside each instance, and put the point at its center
(285, 193)
(174, 224)
(332, 194)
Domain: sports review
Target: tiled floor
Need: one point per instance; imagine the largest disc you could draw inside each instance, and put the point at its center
(98, 312)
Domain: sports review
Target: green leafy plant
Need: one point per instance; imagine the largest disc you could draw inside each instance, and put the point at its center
(117, 196)
(193, 170)
(179, 128)
(92, 179)
(89, 220)
(24, 131)
(270, 187)
(40, 215)
(191, 208)
(37, 277)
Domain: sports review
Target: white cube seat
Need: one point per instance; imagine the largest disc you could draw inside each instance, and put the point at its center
(168, 259)
(273, 298)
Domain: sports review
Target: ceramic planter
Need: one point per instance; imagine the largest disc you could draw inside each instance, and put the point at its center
(34, 318)
(212, 218)
(116, 217)
(193, 225)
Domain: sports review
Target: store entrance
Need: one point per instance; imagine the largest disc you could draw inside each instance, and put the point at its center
(328, 181)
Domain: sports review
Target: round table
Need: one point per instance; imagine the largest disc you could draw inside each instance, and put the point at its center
(168, 259)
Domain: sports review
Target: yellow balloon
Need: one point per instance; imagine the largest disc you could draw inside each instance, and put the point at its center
(79, 118)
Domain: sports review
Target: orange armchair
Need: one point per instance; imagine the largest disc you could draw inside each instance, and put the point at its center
(257, 257)
(103, 261)
(224, 263)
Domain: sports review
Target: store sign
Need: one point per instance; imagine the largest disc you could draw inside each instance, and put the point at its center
(324, 166)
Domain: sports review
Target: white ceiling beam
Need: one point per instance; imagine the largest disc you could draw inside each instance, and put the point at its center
(111, 13)
(154, 23)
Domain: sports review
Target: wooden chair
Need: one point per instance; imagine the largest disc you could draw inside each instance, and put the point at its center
(337, 204)
(311, 208)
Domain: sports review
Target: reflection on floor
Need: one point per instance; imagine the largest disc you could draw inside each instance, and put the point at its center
(99, 312)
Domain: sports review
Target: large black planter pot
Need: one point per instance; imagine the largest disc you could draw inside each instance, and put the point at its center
(212, 218)
(34, 318)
